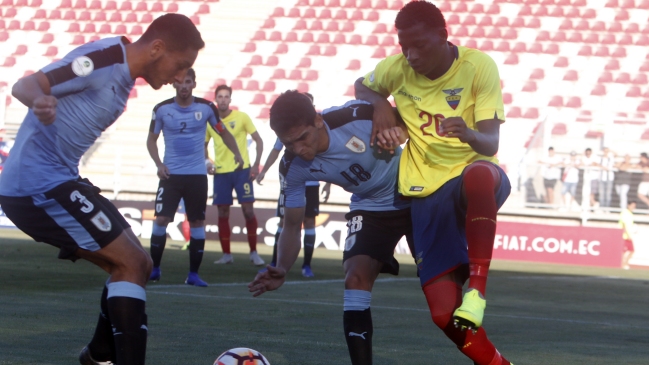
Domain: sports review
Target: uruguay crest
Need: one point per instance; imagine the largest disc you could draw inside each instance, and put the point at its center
(453, 99)
(198, 115)
(356, 145)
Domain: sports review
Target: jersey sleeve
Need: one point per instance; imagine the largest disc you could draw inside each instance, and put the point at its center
(156, 122)
(247, 122)
(488, 97)
(379, 80)
(81, 69)
(292, 182)
(214, 120)
(278, 145)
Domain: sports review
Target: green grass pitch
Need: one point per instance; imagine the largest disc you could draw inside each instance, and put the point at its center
(536, 314)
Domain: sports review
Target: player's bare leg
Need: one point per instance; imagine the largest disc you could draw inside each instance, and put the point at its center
(251, 227)
(360, 273)
(120, 336)
(481, 181)
(444, 295)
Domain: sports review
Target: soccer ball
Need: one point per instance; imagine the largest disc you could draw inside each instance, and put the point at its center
(241, 356)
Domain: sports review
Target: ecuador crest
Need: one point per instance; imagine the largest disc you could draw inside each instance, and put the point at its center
(453, 99)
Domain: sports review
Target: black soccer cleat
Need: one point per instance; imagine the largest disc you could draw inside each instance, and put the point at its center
(86, 359)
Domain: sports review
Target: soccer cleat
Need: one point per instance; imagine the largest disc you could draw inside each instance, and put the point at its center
(306, 271)
(255, 259)
(470, 314)
(86, 359)
(185, 247)
(226, 259)
(155, 274)
(195, 280)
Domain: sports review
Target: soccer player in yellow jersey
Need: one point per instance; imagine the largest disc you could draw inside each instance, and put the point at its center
(230, 175)
(450, 99)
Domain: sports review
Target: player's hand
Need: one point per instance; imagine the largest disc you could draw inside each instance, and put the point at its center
(260, 177)
(163, 172)
(271, 279)
(326, 191)
(209, 166)
(44, 108)
(455, 127)
(395, 137)
(382, 119)
(254, 171)
(239, 161)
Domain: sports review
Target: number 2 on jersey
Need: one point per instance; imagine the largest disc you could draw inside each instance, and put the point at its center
(429, 120)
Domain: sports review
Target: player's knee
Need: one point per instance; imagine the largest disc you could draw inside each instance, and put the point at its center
(162, 221)
(355, 280)
(481, 175)
(248, 214)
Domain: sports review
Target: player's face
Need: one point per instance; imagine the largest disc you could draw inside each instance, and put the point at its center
(184, 89)
(223, 100)
(423, 47)
(303, 140)
(167, 67)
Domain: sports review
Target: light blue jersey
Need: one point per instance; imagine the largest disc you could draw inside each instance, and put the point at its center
(92, 84)
(183, 129)
(349, 162)
(278, 147)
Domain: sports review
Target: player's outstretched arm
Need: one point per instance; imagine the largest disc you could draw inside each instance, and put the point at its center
(270, 160)
(259, 144)
(383, 116)
(484, 141)
(231, 143)
(152, 147)
(288, 248)
(34, 92)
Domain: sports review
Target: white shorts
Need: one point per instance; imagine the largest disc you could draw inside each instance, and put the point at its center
(643, 188)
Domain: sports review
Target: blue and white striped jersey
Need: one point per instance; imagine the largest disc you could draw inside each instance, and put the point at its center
(183, 129)
(349, 162)
(92, 84)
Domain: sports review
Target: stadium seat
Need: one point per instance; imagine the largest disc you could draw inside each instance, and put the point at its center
(249, 47)
(9, 62)
(380, 28)
(275, 36)
(622, 14)
(512, 59)
(89, 28)
(598, 90)
(530, 87)
(40, 14)
(586, 51)
(341, 14)
(323, 38)
(78, 39)
(290, 37)
(236, 85)
(372, 16)
(324, 14)
(543, 36)
(507, 98)
(332, 26)
(258, 99)
(535, 48)
(571, 75)
(605, 77)
(612, 65)
(620, 52)
(43, 26)
(245, 72)
(556, 101)
(615, 27)
(623, 78)
(348, 27)
(354, 65)
(302, 87)
(609, 39)
(356, 15)
(120, 29)
(203, 9)
(371, 40)
(105, 29)
(47, 38)
(295, 75)
(644, 67)
(157, 7)
(21, 50)
(272, 61)
(502, 22)
(264, 113)
(142, 7)
(314, 50)
(531, 113)
(351, 4)
(592, 38)
(130, 18)
(255, 60)
(100, 16)
(634, 92)
(270, 24)
(330, 51)
(574, 102)
(172, 8)
(486, 46)
(559, 129)
(70, 15)
(311, 75)
(594, 134)
(316, 25)
(511, 33)
(469, 20)
(55, 14)
(485, 21)
(282, 48)
(307, 37)
(601, 52)
(643, 40)
(14, 25)
(305, 62)
(299, 25)
(537, 74)
(29, 25)
(339, 39)
(640, 79)
(503, 47)
(116, 17)
(561, 62)
(260, 35)
(269, 86)
(575, 37)
(514, 112)
(379, 53)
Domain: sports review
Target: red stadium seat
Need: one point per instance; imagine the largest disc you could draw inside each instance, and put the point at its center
(141, 7)
(561, 62)
(40, 14)
(126, 6)
(643, 4)
(477, 8)
(131, 18)
(592, 38)
(559, 37)
(305, 62)
(9, 62)
(29, 25)
(100, 16)
(350, 4)
(269, 86)
(571, 75)
(640, 79)
(21, 49)
(574, 102)
(116, 17)
(258, 99)
(535, 48)
(514, 112)
(264, 113)
(644, 67)
(493, 9)
(290, 37)
(609, 39)
(605, 77)
(36, 3)
(612, 65)
(255, 60)
(105, 29)
(299, 25)
(282, 48)
(236, 85)
(330, 51)
(203, 9)
(380, 28)
(644, 107)
(348, 27)
(354, 65)
(507, 98)
(48, 38)
(295, 75)
(534, 23)
(351, 91)
(511, 33)
(586, 51)
(302, 87)
(14, 25)
(356, 15)
(302, 3)
(307, 37)
(249, 47)
(272, 61)
(339, 39)
(89, 28)
(278, 12)
(316, 25)
(51, 51)
(365, 4)
(620, 52)
(615, 27)
(325, 14)
(530, 87)
(494, 33)
(74, 28)
(512, 59)
(78, 39)
(69, 15)
(471, 43)
(543, 36)
(323, 38)
(575, 38)
(503, 47)
(172, 8)
(526, 10)
(478, 32)
(371, 40)
(502, 22)
(634, 92)
(341, 15)
(270, 24)
(381, 4)
(120, 29)
(311, 75)
(485, 21)
(334, 3)
(559, 129)
(531, 113)
(622, 15)
(643, 40)
(582, 25)
(486, 46)
(332, 26)
(556, 12)
(469, 20)
(355, 39)
(245, 72)
(598, 90)
(602, 52)
(541, 12)
(623, 78)
(260, 35)
(379, 53)
(314, 50)
(388, 41)
(537, 74)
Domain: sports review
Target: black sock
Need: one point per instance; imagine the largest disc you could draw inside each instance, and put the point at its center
(196, 247)
(157, 248)
(129, 329)
(358, 333)
(274, 260)
(309, 242)
(102, 345)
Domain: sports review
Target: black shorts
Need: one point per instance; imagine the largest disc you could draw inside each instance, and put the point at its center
(191, 188)
(73, 215)
(312, 208)
(376, 234)
(549, 183)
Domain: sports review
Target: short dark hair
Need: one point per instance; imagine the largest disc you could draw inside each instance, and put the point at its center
(631, 202)
(550, 148)
(588, 149)
(223, 87)
(191, 73)
(644, 154)
(419, 12)
(310, 97)
(292, 108)
(176, 30)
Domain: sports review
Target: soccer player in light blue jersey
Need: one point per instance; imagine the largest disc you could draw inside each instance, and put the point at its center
(183, 121)
(335, 147)
(71, 102)
(311, 210)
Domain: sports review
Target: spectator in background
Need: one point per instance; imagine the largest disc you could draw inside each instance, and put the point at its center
(643, 188)
(591, 166)
(626, 223)
(608, 175)
(623, 181)
(551, 173)
(570, 179)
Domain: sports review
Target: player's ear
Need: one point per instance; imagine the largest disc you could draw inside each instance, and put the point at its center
(442, 33)
(318, 121)
(157, 49)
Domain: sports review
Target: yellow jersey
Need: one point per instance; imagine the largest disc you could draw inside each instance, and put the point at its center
(240, 126)
(469, 89)
(626, 223)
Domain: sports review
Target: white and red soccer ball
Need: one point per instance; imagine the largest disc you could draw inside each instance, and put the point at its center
(241, 356)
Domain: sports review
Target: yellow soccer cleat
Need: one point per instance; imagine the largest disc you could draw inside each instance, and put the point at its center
(470, 314)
